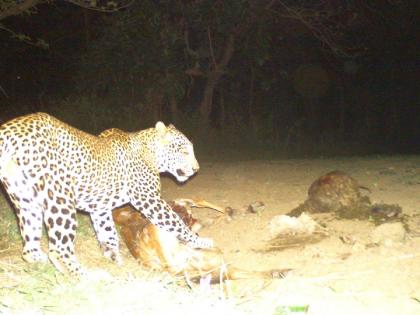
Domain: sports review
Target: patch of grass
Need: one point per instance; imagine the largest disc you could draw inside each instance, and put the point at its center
(9, 230)
(412, 175)
(129, 289)
(84, 225)
(24, 283)
(42, 290)
(31, 291)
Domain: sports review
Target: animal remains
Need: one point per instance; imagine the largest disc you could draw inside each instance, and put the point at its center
(340, 193)
(159, 250)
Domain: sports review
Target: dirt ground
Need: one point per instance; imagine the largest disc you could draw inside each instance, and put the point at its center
(331, 276)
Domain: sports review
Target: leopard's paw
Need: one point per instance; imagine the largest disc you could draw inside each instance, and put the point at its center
(34, 256)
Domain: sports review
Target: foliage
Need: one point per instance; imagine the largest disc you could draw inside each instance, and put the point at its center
(10, 8)
(138, 56)
(252, 63)
(39, 42)
(13, 7)
(153, 53)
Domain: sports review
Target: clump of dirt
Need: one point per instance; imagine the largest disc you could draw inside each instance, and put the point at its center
(340, 193)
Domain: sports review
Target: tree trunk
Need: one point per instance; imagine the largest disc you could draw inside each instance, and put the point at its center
(157, 105)
(207, 102)
(251, 97)
(86, 22)
(222, 110)
(173, 106)
(213, 78)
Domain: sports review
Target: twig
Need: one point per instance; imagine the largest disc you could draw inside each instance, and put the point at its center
(4, 92)
(24, 38)
(200, 203)
(188, 280)
(211, 48)
(100, 9)
(320, 31)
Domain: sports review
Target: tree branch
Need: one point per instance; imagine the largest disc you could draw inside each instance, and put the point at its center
(211, 47)
(316, 21)
(107, 8)
(17, 7)
(187, 43)
(25, 38)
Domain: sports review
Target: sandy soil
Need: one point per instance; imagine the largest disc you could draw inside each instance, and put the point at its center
(330, 276)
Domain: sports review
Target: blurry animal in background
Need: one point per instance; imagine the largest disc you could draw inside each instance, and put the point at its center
(159, 250)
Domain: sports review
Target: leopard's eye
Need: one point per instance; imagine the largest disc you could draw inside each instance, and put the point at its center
(183, 150)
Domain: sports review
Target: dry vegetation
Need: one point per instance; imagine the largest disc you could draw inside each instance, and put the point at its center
(40, 289)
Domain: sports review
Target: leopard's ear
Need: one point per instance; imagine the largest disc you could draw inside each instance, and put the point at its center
(160, 128)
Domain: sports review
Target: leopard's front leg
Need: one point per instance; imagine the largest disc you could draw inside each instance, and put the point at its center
(161, 214)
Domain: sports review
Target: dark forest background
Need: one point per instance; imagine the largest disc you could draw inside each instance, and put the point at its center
(293, 78)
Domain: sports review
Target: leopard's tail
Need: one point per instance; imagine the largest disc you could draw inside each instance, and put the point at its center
(9, 167)
(2, 149)
(5, 154)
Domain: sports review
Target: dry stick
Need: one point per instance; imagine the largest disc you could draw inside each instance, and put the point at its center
(284, 246)
(199, 204)
(6, 249)
(188, 280)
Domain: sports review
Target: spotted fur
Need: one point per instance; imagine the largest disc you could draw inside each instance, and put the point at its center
(50, 169)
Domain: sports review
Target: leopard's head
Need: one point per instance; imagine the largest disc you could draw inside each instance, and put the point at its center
(174, 152)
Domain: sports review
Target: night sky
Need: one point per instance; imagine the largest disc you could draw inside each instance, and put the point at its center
(295, 78)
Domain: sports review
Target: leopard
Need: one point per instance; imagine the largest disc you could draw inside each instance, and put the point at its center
(50, 170)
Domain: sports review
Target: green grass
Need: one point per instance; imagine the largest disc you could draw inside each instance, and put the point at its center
(9, 231)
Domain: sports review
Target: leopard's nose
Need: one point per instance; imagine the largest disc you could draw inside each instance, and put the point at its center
(195, 166)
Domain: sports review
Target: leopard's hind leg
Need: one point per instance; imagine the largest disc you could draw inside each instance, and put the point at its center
(60, 220)
(29, 213)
